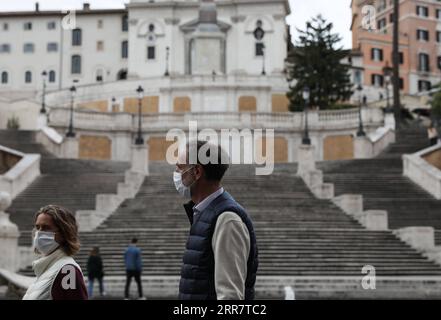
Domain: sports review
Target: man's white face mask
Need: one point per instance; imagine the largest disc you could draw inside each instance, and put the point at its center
(179, 184)
(45, 242)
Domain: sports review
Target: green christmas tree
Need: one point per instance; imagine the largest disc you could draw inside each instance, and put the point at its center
(315, 62)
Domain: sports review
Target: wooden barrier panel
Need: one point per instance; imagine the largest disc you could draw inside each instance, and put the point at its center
(338, 148)
(95, 147)
(148, 105)
(279, 103)
(101, 106)
(247, 104)
(182, 104)
(158, 148)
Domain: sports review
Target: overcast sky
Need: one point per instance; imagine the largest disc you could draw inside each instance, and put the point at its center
(336, 11)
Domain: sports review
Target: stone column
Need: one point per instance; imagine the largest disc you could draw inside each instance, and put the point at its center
(363, 148)
(306, 159)
(8, 236)
(140, 159)
(70, 148)
(389, 121)
(41, 121)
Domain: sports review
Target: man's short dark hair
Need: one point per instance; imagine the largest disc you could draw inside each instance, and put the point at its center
(134, 240)
(213, 171)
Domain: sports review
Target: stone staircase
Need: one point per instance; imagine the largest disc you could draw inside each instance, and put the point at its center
(73, 184)
(69, 183)
(299, 237)
(304, 242)
(23, 141)
(383, 186)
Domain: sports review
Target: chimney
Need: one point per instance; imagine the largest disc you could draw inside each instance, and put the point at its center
(37, 7)
(86, 6)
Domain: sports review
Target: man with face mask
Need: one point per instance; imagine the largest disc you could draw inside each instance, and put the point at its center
(220, 261)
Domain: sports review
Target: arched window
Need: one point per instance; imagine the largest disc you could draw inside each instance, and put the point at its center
(151, 43)
(122, 75)
(99, 75)
(5, 77)
(28, 77)
(52, 77)
(76, 37)
(259, 34)
(76, 64)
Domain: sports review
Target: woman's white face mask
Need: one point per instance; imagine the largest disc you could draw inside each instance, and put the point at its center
(179, 184)
(44, 242)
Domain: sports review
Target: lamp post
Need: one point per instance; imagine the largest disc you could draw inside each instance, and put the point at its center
(139, 140)
(387, 71)
(113, 104)
(43, 98)
(167, 57)
(360, 132)
(263, 59)
(70, 133)
(306, 93)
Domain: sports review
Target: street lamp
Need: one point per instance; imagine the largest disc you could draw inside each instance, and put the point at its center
(387, 71)
(70, 133)
(263, 59)
(306, 93)
(167, 57)
(360, 132)
(43, 98)
(114, 104)
(139, 140)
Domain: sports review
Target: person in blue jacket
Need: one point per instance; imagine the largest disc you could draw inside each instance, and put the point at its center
(133, 263)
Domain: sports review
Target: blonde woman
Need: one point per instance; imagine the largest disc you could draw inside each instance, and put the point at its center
(59, 277)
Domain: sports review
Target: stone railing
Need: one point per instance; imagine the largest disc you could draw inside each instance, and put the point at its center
(22, 174)
(317, 120)
(373, 144)
(60, 146)
(423, 173)
(157, 85)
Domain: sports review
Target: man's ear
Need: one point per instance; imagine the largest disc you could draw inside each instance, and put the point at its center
(199, 171)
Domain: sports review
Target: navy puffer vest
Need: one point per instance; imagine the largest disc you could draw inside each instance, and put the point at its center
(197, 273)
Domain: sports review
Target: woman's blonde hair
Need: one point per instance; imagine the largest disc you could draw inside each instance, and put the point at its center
(67, 225)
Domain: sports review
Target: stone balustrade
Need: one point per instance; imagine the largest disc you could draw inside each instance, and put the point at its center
(371, 145)
(22, 174)
(422, 172)
(318, 120)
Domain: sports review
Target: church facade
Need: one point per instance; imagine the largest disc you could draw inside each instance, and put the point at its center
(146, 39)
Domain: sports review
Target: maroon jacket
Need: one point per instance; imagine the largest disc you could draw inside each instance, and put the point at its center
(79, 293)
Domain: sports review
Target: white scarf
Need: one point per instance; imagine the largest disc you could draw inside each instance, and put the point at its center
(46, 269)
